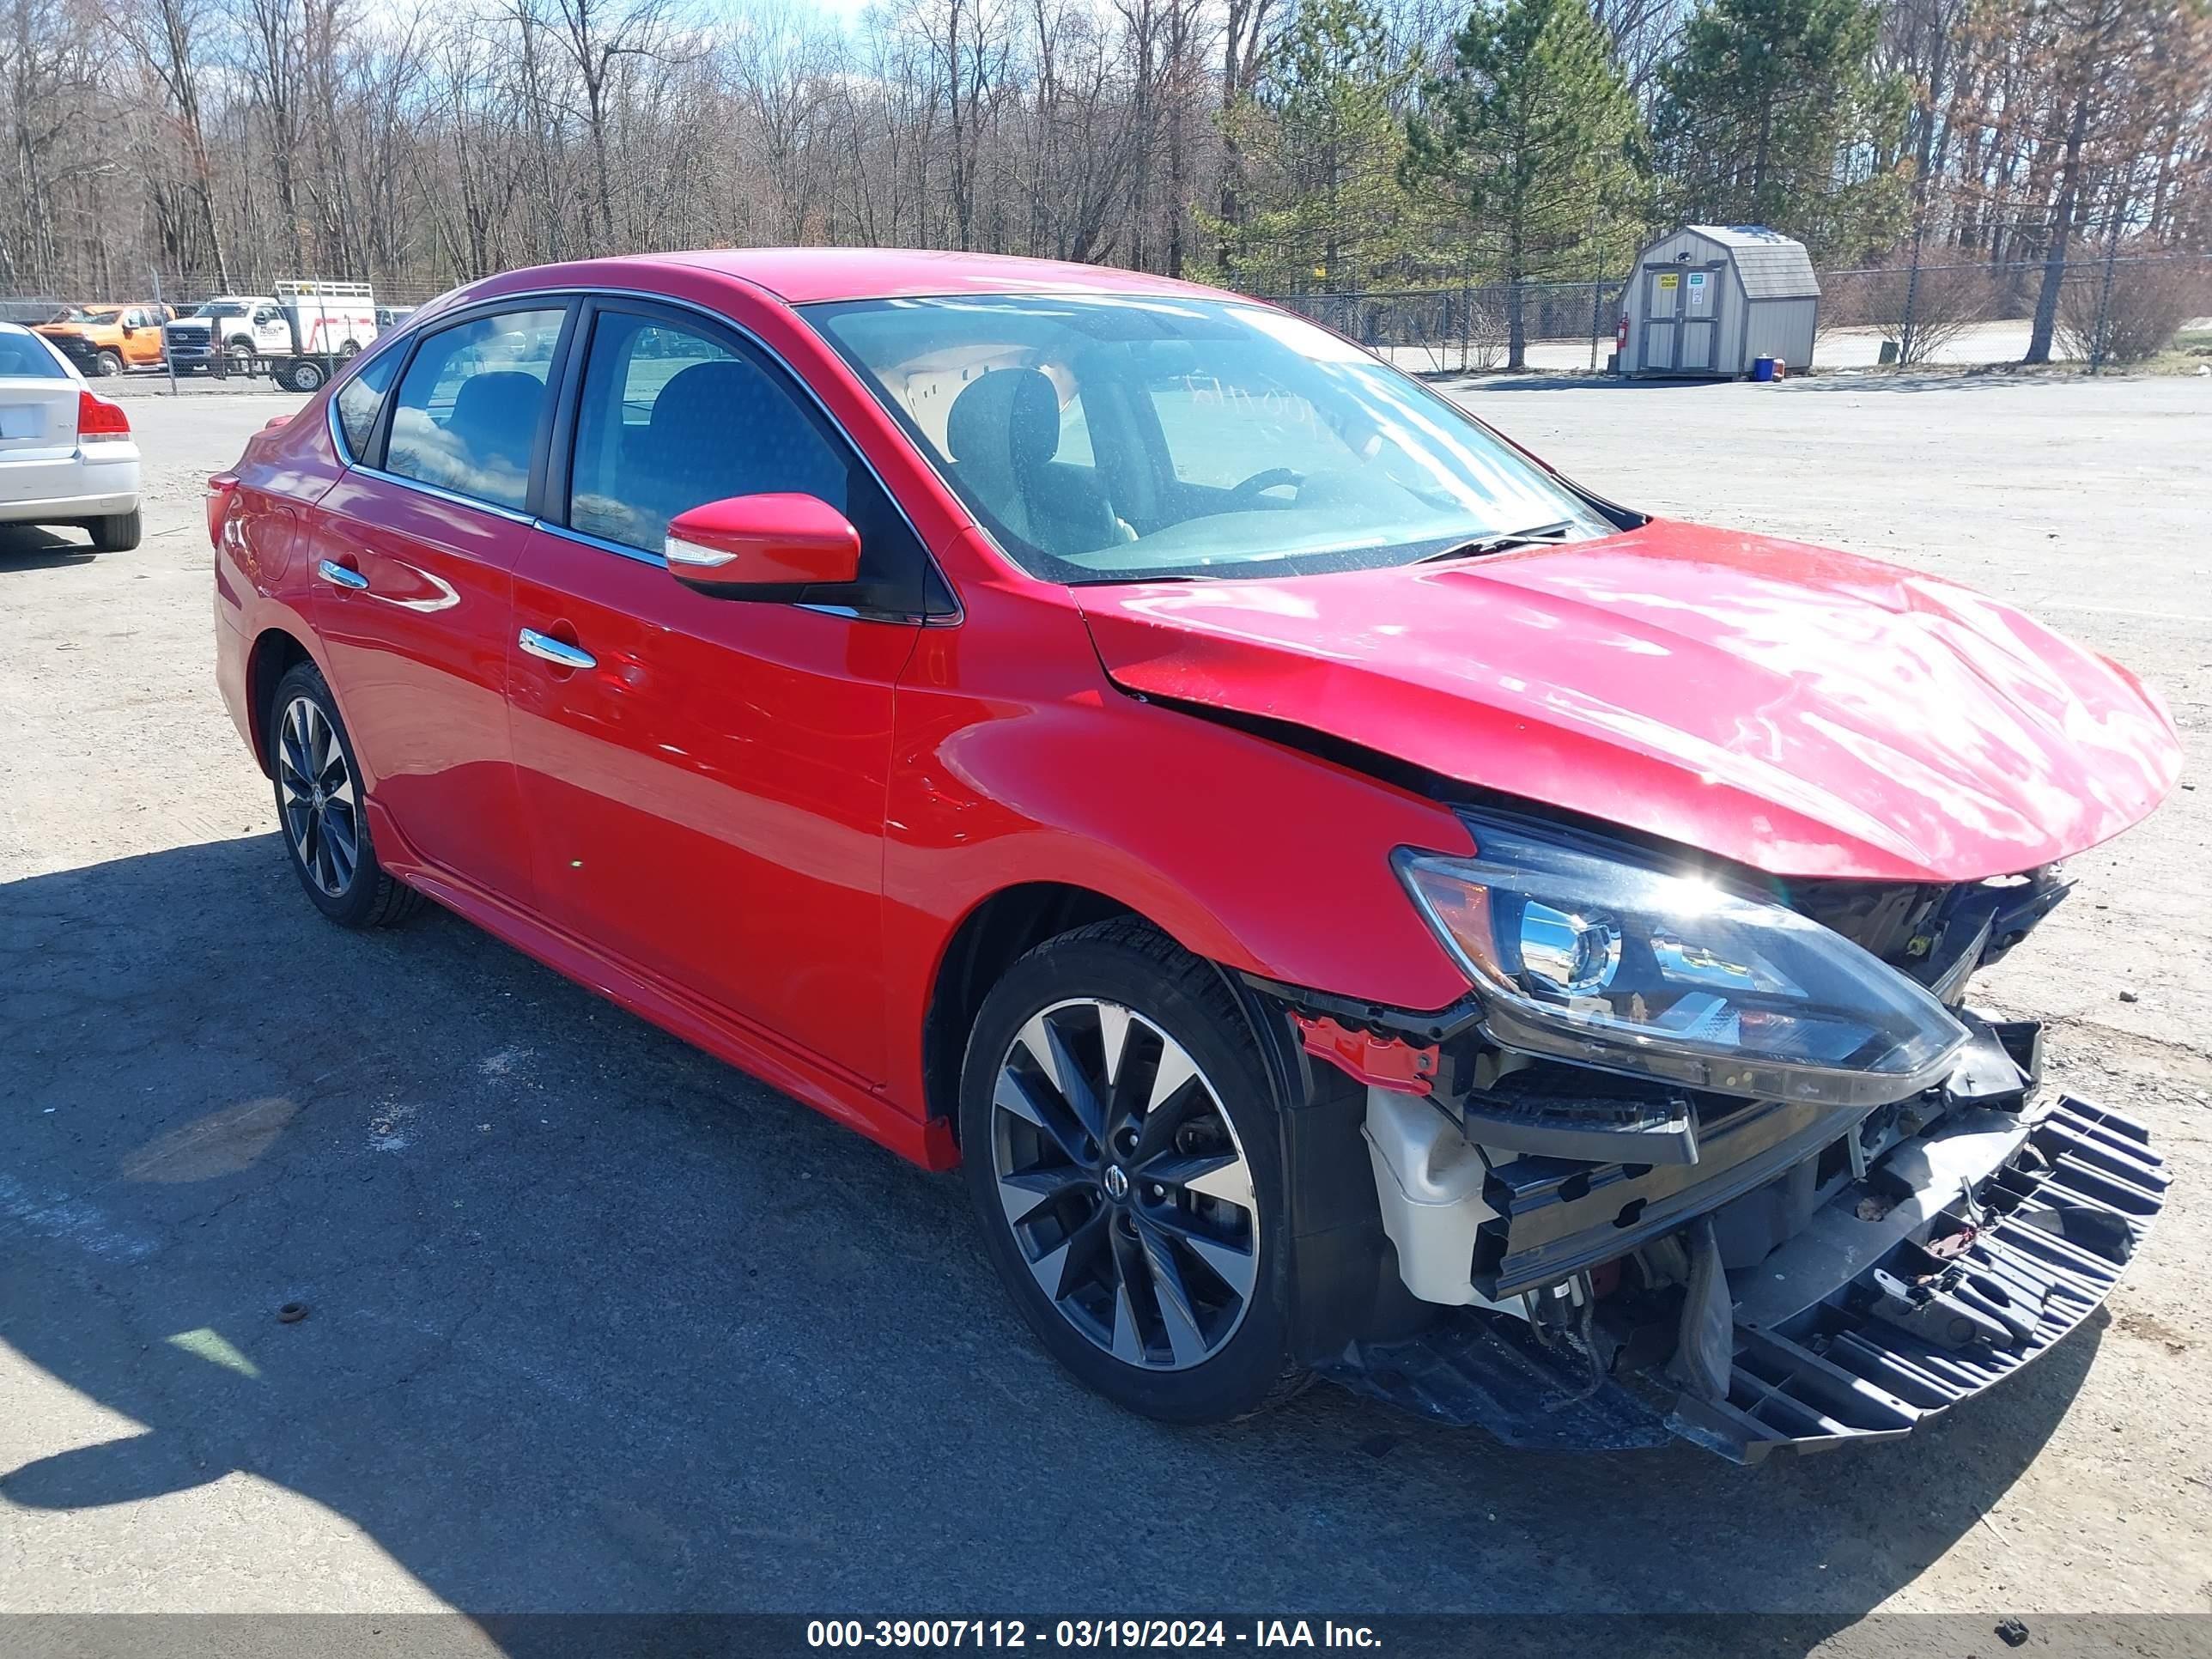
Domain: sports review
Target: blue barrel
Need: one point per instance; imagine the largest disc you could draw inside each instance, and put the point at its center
(1762, 369)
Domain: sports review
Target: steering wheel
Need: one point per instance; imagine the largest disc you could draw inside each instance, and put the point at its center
(1273, 478)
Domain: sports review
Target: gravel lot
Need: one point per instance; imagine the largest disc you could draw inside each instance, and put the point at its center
(598, 1324)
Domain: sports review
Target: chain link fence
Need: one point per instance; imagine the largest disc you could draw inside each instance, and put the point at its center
(1468, 328)
(2112, 310)
(38, 303)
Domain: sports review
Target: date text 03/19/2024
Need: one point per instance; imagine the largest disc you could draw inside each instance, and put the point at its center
(1075, 1634)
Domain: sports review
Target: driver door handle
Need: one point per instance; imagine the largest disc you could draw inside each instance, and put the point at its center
(338, 576)
(544, 645)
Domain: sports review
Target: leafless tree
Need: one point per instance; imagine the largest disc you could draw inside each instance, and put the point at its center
(228, 143)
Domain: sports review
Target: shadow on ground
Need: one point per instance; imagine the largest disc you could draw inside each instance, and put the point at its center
(33, 547)
(595, 1323)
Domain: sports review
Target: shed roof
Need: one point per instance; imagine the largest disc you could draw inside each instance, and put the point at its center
(1773, 266)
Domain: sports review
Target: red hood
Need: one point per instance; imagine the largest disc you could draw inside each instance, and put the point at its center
(1804, 712)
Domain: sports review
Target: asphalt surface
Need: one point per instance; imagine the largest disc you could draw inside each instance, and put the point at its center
(595, 1323)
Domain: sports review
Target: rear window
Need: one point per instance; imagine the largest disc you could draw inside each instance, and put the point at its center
(467, 414)
(359, 398)
(22, 358)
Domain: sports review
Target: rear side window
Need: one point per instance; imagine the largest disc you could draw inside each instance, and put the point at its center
(467, 414)
(359, 398)
(24, 358)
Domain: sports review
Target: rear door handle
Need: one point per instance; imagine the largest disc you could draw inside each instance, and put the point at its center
(338, 576)
(552, 650)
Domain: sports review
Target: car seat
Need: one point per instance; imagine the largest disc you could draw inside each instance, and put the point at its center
(1003, 430)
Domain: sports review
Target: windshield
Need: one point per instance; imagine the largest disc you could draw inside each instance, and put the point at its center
(1103, 438)
(221, 308)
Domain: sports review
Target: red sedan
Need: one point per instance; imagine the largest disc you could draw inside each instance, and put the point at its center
(1353, 901)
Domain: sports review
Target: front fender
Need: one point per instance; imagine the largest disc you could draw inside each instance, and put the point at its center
(1015, 762)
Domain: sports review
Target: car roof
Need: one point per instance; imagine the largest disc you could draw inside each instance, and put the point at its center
(800, 276)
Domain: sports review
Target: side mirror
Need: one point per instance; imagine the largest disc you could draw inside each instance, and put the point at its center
(763, 547)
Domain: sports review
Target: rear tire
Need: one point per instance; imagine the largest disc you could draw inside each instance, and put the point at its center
(107, 364)
(115, 532)
(1139, 1220)
(320, 811)
(306, 376)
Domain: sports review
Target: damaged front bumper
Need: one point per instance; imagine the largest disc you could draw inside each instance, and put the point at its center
(1799, 1279)
(1980, 1281)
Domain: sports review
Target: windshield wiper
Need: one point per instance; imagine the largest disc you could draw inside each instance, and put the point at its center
(1531, 537)
(1133, 578)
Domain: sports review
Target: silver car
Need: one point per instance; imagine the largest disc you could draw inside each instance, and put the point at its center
(66, 456)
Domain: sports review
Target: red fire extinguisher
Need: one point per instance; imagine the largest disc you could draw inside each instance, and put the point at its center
(1620, 336)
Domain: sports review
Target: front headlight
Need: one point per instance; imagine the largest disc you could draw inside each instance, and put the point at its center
(1634, 968)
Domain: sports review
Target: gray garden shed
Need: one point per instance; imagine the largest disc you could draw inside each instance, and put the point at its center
(1714, 299)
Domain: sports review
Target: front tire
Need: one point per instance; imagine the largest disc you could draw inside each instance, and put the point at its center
(1121, 1145)
(320, 808)
(107, 364)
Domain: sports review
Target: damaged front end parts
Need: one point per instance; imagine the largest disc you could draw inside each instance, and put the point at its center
(1704, 1155)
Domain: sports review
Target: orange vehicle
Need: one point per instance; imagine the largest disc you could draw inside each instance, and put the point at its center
(107, 339)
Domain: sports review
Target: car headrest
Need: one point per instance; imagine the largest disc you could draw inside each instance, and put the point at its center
(1006, 417)
(496, 414)
(704, 398)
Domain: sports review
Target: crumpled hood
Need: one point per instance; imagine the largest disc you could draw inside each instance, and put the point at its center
(1805, 712)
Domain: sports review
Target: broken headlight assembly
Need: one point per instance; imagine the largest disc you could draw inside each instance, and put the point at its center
(1583, 953)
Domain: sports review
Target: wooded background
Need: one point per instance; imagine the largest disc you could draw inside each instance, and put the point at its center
(1292, 147)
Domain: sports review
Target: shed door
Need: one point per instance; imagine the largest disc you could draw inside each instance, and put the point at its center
(1662, 311)
(1699, 327)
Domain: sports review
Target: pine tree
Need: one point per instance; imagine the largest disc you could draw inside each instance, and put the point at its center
(1535, 133)
(1772, 114)
(1320, 140)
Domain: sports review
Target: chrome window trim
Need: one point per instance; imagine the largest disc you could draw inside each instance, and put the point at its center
(352, 372)
(601, 543)
(585, 539)
(492, 303)
(513, 515)
(951, 619)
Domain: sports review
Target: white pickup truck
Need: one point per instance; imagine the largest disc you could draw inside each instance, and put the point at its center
(297, 334)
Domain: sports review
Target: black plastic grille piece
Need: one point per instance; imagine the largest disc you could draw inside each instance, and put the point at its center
(2056, 1227)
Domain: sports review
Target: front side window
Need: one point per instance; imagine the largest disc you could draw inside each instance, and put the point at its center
(1110, 438)
(466, 412)
(672, 418)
